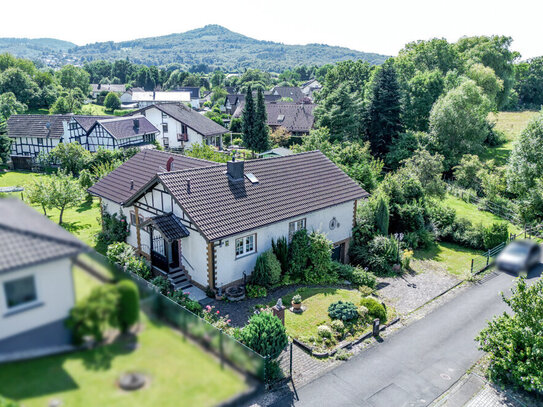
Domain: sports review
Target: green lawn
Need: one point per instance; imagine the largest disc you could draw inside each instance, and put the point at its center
(98, 110)
(454, 258)
(512, 124)
(180, 374)
(82, 221)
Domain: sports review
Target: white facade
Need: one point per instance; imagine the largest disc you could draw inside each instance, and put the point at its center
(169, 128)
(335, 222)
(32, 146)
(55, 297)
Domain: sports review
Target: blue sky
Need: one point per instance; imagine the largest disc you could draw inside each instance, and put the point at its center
(372, 26)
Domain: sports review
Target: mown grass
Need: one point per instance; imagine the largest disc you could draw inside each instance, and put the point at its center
(512, 124)
(98, 110)
(180, 373)
(455, 259)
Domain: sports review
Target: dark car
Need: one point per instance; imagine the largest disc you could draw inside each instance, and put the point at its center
(520, 255)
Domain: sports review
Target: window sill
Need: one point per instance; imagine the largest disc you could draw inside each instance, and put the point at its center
(241, 256)
(23, 308)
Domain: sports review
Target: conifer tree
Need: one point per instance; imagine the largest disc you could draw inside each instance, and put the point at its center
(248, 118)
(261, 135)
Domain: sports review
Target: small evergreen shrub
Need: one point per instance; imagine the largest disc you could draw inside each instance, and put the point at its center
(129, 304)
(375, 308)
(342, 354)
(280, 249)
(267, 271)
(346, 311)
(256, 291)
(265, 334)
(319, 269)
(298, 253)
(363, 277)
(365, 290)
(363, 311)
(324, 331)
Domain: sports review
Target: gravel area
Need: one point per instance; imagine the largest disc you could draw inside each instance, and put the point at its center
(412, 290)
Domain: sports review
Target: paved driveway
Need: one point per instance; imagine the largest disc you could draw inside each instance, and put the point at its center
(416, 365)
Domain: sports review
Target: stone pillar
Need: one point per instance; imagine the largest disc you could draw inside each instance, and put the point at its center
(279, 310)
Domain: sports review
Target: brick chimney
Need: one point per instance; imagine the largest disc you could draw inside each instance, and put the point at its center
(169, 164)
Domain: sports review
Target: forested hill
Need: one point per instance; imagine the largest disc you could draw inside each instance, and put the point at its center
(42, 49)
(216, 47)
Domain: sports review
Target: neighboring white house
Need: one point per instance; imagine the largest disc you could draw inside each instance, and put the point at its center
(311, 87)
(36, 284)
(206, 225)
(97, 88)
(144, 98)
(180, 126)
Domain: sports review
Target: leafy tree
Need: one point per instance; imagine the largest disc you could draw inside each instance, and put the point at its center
(265, 334)
(261, 137)
(525, 164)
(529, 83)
(218, 95)
(20, 84)
(458, 122)
(319, 270)
(404, 147)
(493, 52)
(382, 215)
(70, 101)
(249, 118)
(354, 74)
(205, 152)
(468, 172)
(64, 192)
(72, 77)
(5, 147)
(236, 125)
(72, 157)
(129, 304)
(217, 79)
(112, 101)
(421, 92)
(280, 136)
(382, 117)
(513, 341)
(485, 77)
(428, 168)
(9, 105)
(38, 192)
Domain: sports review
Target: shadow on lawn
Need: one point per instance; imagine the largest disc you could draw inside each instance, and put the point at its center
(47, 375)
(76, 226)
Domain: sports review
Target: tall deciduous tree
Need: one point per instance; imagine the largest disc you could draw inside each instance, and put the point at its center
(112, 101)
(65, 192)
(72, 77)
(382, 117)
(458, 122)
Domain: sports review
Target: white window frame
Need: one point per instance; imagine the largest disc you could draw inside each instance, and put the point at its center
(24, 305)
(295, 226)
(245, 246)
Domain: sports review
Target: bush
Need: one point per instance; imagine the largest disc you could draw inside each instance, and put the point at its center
(129, 304)
(337, 325)
(139, 267)
(237, 142)
(256, 291)
(375, 308)
(319, 269)
(364, 278)
(161, 283)
(280, 249)
(298, 253)
(495, 234)
(120, 253)
(4, 402)
(93, 315)
(324, 331)
(114, 229)
(345, 311)
(183, 299)
(363, 311)
(265, 334)
(382, 254)
(267, 271)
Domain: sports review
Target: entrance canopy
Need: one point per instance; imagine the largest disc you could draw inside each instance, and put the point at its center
(169, 226)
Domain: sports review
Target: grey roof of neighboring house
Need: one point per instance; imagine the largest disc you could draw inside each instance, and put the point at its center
(278, 151)
(194, 91)
(292, 92)
(96, 87)
(188, 116)
(295, 117)
(35, 125)
(287, 187)
(86, 122)
(169, 225)
(141, 168)
(124, 127)
(28, 238)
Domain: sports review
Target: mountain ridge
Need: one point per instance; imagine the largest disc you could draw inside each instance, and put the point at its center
(213, 45)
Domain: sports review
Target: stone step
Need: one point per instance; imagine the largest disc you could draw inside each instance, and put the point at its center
(176, 274)
(182, 285)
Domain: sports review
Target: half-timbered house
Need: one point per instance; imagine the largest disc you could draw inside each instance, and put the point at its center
(120, 132)
(204, 224)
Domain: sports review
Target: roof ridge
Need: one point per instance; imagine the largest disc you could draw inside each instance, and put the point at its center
(44, 237)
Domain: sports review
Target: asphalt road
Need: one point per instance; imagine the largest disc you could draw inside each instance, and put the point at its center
(417, 364)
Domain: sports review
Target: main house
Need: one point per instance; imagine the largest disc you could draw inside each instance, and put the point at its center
(203, 223)
(179, 126)
(34, 134)
(36, 284)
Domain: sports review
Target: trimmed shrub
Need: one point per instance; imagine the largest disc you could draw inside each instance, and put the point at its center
(495, 234)
(345, 311)
(129, 304)
(267, 271)
(319, 269)
(375, 308)
(280, 249)
(256, 291)
(363, 277)
(324, 331)
(298, 253)
(265, 334)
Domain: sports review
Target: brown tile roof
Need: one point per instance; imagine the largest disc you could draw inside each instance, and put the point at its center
(86, 122)
(288, 186)
(292, 92)
(184, 114)
(123, 127)
(295, 117)
(28, 238)
(35, 125)
(141, 169)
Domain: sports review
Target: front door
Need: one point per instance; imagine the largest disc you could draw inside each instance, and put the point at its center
(158, 253)
(175, 254)
(338, 252)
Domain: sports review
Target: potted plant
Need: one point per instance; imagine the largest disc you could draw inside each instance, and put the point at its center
(297, 302)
